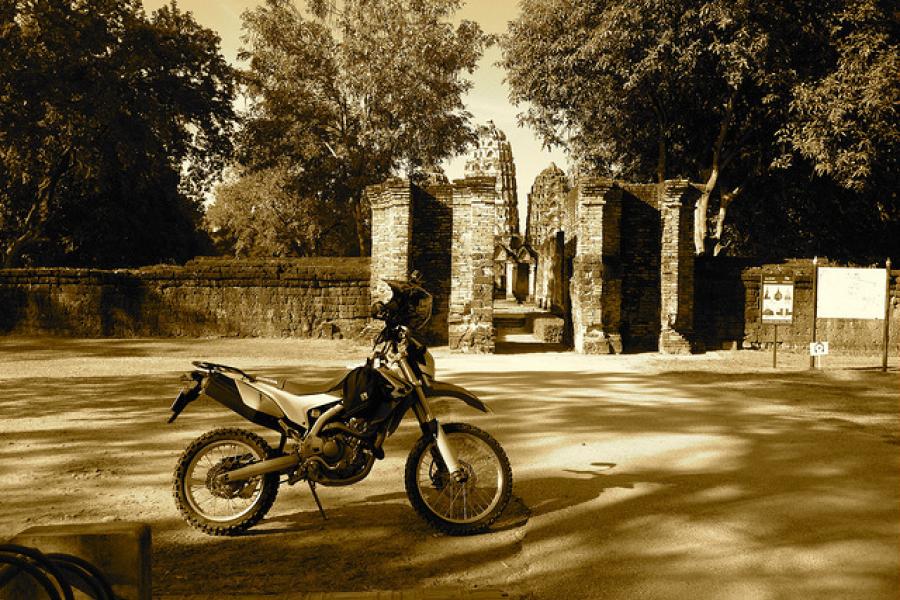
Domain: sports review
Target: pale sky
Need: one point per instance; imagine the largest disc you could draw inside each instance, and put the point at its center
(488, 100)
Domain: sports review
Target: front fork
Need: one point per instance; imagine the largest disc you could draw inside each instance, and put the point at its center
(428, 422)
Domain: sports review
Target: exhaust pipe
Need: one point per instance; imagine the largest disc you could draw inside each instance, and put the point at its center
(261, 468)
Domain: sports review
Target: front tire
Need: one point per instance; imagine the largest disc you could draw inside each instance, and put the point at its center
(220, 508)
(466, 506)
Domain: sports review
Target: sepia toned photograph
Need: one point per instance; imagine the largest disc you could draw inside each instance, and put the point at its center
(449, 299)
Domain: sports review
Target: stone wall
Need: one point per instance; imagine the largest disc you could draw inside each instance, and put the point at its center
(677, 268)
(597, 268)
(432, 228)
(727, 311)
(471, 315)
(391, 234)
(641, 254)
(323, 297)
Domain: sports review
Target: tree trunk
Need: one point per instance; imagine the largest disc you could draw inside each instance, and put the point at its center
(361, 234)
(724, 204)
(700, 228)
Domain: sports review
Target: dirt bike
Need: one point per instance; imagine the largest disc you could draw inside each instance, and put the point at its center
(457, 477)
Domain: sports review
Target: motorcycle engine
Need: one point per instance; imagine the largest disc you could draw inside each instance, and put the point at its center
(345, 456)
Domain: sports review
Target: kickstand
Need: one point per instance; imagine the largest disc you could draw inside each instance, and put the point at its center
(312, 488)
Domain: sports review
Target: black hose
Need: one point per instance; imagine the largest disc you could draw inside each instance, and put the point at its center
(90, 575)
(37, 557)
(56, 573)
(23, 565)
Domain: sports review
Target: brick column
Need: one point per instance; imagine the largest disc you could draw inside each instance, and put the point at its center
(432, 230)
(597, 277)
(471, 320)
(677, 268)
(391, 234)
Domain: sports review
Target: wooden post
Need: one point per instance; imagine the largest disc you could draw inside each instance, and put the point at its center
(886, 333)
(775, 348)
(814, 360)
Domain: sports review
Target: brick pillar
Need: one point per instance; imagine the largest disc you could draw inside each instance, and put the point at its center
(471, 320)
(597, 277)
(432, 230)
(391, 234)
(677, 268)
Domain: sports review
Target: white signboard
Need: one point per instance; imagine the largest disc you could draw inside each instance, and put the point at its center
(846, 293)
(818, 348)
(777, 300)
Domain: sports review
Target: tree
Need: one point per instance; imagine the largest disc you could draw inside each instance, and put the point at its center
(112, 127)
(845, 121)
(260, 215)
(349, 94)
(654, 89)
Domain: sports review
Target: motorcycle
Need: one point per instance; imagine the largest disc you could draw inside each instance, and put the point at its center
(457, 476)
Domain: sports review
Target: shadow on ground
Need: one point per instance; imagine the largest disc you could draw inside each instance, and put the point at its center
(627, 484)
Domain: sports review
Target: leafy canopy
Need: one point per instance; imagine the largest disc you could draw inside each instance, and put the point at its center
(113, 125)
(346, 94)
(718, 91)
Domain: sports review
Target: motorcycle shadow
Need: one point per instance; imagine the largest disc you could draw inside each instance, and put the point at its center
(392, 510)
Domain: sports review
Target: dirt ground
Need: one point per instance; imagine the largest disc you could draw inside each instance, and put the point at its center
(640, 476)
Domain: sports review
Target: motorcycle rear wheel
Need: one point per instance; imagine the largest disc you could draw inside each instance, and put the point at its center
(459, 507)
(216, 508)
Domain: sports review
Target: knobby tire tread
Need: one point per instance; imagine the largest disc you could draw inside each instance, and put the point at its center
(269, 483)
(418, 503)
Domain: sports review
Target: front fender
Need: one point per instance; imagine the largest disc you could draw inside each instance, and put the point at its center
(440, 389)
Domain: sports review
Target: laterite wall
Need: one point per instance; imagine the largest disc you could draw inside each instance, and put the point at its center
(321, 297)
(727, 311)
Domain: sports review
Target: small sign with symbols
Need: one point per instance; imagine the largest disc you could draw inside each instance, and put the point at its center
(818, 348)
(777, 299)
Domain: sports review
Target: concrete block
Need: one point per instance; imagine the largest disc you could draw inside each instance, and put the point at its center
(121, 550)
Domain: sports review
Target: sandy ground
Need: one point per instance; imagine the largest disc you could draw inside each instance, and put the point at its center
(641, 476)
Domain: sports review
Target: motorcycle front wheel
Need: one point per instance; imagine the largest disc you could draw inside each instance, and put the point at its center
(470, 501)
(215, 507)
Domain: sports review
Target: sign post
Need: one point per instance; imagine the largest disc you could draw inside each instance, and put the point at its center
(813, 360)
(776, 305)
(886, 333)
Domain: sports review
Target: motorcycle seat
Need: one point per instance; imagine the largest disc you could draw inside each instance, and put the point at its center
(333, 387)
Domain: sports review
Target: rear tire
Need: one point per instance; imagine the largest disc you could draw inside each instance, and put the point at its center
(459, 507)
(223, 509)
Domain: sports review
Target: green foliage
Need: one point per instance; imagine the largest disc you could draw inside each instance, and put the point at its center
(356, 92)
(845, 121)
(113, 124)
(261, 215)
(722, 92)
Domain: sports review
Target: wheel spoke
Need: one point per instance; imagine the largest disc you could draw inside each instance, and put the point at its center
(481, 486)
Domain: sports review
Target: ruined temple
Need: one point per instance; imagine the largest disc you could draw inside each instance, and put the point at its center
(492, 157)
(548, 210)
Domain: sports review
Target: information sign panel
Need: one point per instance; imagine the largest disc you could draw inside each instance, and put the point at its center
(777, 304)
(846, 293)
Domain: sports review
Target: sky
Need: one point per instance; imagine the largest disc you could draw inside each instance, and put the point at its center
(488, 99)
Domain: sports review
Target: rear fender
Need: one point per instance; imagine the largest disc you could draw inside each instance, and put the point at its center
(187, 395)
(440, 389)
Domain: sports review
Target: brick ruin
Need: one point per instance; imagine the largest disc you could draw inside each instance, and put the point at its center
(445, 231)
(492, 157)
(613, 261)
